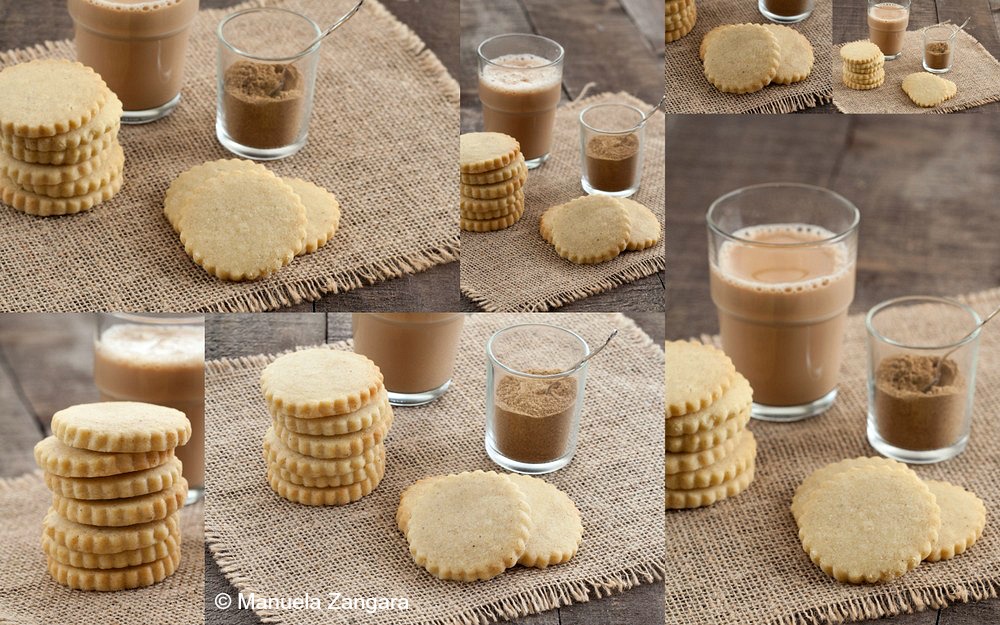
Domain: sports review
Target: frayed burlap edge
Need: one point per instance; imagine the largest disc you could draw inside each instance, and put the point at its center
(793, 104)
(281, 296)
(518, 605)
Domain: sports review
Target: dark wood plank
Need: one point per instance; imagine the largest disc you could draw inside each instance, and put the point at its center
(647, 15)
(978, 613)
(20, 430)
(642, 604)
(231, 336)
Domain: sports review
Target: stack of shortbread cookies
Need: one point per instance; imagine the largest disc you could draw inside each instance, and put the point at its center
(116, 494)
(597, 228)
(531, 523)
(870, 520)
(238, 221)
(330, 415)
(493, 177)
(679, 19)
(863, 65)
(709, 453)
(59, 151)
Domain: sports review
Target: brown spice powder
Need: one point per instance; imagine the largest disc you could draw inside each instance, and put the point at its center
(612, 161)
(910, 418)
(937, 55)
(533, 418)
(263, 103)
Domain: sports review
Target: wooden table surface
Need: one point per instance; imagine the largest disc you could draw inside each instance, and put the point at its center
(615, 44)
(850, 23)
(435, 21)
(927, 190)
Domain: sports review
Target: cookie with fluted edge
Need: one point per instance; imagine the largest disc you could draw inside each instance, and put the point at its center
(492, 225)
(36, 174)
(331, 496)
(46, 97)
(645, 231)
(816, 479)
(186, 182)
(55, 456)
(734, 401)
(696, 376)
(725, 469)
(495, 190)
(709, 37)
(706, 439)
(98, 179)
(68, 156)
(481, 152)
(115, 579)
(277, 454)
(557, 530)
(44, 206)
(508, 171)
(681, 463)
(742, 59)
(545, 222)
(869, 524)
(963, 518)
(121, 426)
(796, 55)
(107, 540)
(928, 90)
(701, 497)
(121, 512)
(365, 472)
(504, 211)
(117, 486)
(105, 123)
(469, 526)
(472, 205)
(338, 446)
(590, 229)
(861, 53)
(360, 419)
(320, 383)
(134, 557)
(322, 213)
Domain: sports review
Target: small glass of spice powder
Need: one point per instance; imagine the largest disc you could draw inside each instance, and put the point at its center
(534, 394)
(611, 143)
(919, 401)
(939, 47)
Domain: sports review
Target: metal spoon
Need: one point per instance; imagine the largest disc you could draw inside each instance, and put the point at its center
(336, 25)
(593, 353)
(937, 368)
(650, 114)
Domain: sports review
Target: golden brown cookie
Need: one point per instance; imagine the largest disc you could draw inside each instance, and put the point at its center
(734, 401)
(115, 579)
(486, 151)
(44, 206)
(963, 517)
(557, 530)
(696, 376)
(317, 382)
(742, 59)
(701, 497)
(121, 512)
(121, 426)
(496, 190)
(276, 454)
(338, 446)
(54, 456)
(119, 486)
(590, 229)
(42, 98)
(184, 184)
(723, 470)
(107, 540)
(796, 55)
(497, 223)
(134, 557)
(98, 179)
(645, 231)
(928, 90)
(322, 213)
(330, 496)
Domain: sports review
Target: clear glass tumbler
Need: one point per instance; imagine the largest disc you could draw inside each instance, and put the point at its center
(939, 48)
(157, 359)
(887, 23)
(921, 377)
(534, 394)
(782, 259)
(520, 83)
(265, 81)
(786, 11)
(611, 143)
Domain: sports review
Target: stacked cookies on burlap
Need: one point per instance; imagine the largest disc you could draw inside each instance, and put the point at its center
(709, 453)
(117, 490)
(493, 177)
(679, 19)
(330, 415)
(597, 228)
(863, 65)
(59, 151)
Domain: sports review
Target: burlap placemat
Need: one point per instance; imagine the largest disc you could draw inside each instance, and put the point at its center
(975, 71)
(740, 561)
(29, 596)
(516, 270)
(384, 162)
(689, 92)
(275, 548)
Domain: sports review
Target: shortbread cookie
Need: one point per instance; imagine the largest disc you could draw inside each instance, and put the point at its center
(367, 471)
(742, 59)
(46, 97)
(701, 497)
(509, 209)
(121, 426)
(645, 231)
(545, 222)
(108, 540)
(183, 186)
(94, 181)
(471, 205)
(277, 454)
(322, 213)
(105, 123)
(676, 6)
(67, 156)
(696, 376)
(963, 517)
(683, 463)
(796, 55)
(485, 151)
(928, 90)
(508, 171)
(709, 37)
(332, 496)
(855, 81)
(35, 174)
(725, 469)
(120, 512)
(492, 225)
(115, 579)
(242, 225)
(469, 526)
(865, 87)
(54, 456)
(121, 486)
(339, 424)
(590, 229)
(734, 401)
(557, 530)
(135, 557)
(821, 475)
(706, 439)
(869, 524)
(339, 446)
(320, 383)
(495, 190)
(862, 52)
(411, 494)
(43, 206)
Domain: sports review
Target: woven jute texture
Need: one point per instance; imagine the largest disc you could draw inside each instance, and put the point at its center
(740, 561)
(516, 270)
(29, 596)
(276, 548)
(384, 163)
(974, 70)
(689, 92)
